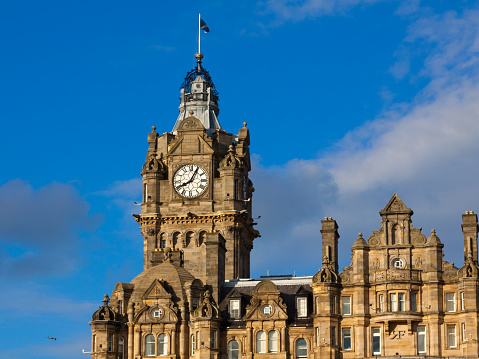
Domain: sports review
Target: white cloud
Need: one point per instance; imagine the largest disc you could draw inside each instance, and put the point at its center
(299, 10)
(426, 151)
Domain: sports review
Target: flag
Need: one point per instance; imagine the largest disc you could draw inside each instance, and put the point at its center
(203, 26)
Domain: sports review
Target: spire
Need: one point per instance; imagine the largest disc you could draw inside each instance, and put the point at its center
(199, 98)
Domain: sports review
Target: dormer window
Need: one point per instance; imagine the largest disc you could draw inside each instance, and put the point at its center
(302, 307)
(235, 309)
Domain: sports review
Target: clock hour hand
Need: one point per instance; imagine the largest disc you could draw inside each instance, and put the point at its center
(190, 180)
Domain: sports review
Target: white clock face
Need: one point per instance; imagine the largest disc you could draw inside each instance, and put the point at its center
(190, 181)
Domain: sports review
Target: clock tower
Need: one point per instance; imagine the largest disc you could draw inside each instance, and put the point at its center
(197, 194)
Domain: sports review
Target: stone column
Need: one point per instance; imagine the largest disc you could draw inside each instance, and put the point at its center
(130, 340)
(173, 342)
(137, 341)
(283, 339)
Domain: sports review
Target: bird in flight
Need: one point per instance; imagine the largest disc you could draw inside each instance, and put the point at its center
(52, 338)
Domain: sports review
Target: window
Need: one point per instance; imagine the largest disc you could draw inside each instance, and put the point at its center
(376, 341)
(192, 344)
(162, 344)
(213, 339)
(333, 335)
(421, 339)
(317, 336)
(233, 350)
(398, 263)
(266, 309)
(393, 301)
(381, 302)
(401, 302)
(162, 240)
(197, 340)
(261, 342)
(234, 309)
(196, 303)
(121, 348)
(188, 238)
(451, 336)
(463, 329)
(346, 338)
(157, 312)
(463, 304)
(302, 307)
(150, 345)
(301, 348)
(333, 304)
(120, 307)
(450, 302)
(316, 302)
(413, 302)
(93, 344)
(272, 342)
(346, 305)
(110, 342)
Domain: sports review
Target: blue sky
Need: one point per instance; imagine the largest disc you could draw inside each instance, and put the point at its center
(347, 101)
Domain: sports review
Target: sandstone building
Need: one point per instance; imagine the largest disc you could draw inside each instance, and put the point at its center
(194, 298)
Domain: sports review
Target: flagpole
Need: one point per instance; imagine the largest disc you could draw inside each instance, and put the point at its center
(199, 33)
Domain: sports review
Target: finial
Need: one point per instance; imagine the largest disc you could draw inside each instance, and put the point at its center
(199, 56)
(244, 124)
(106, 299)
(153, 128)
(360, 235)
(191, 113)
(433, 231)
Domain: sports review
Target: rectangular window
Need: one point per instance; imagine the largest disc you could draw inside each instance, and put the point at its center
(93, 344)
(393, 301)
(234, 308)
(413, 302)
(421, 339)
(302, 307)
(463, 304)
(346, 338)
(197, 340)
(110, 342)
(450, 302)
(213, 340)
(401, 302)
(376, 341)
(120, 307)
(333, 335)
(333, 304)
(463, 329)
(346, 305)
(317, 336)
(196, 303)
(316, 302)
(381, 303)
(451, 336)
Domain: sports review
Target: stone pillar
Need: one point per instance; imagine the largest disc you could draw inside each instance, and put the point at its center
(137, 342)
(130, 340)
(173, 342)
(183, 333)
(283, 339)
(215, 262)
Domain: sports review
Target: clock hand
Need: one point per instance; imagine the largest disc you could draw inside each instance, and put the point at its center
(190, 180)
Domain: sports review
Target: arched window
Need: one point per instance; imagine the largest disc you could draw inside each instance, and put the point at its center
(161, 241)
(301, 348)
(261, 342)
(233, 350)
(202, 238)
(121, 348)
(176, 237)
(188, 238)
(272, 342)
(150, 345)
(162, 344)
(192, 344)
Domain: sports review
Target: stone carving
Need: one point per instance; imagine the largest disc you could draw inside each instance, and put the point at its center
(155, 164)
(230, 159)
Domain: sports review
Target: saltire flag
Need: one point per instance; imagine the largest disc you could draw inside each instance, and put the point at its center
(203, 26)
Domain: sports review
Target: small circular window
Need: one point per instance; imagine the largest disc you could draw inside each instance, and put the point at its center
(157, 312)
(398, 263)
(266, 309)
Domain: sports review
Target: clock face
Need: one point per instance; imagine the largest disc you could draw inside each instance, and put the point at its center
(190, 181)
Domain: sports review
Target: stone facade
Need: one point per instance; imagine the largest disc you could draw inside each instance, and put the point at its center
(195, 299)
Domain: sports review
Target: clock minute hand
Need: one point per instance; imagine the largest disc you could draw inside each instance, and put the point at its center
(190, 180)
